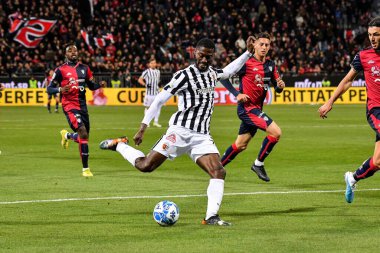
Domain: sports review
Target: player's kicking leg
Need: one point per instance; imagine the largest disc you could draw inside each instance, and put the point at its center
(111, 144)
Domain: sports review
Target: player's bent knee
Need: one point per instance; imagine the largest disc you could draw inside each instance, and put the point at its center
(145, 166)
(219, 173)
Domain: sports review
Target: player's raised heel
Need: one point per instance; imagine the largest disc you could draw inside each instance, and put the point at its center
(64, 141)
(216, 220)
(261, 173)
(111, 144)
(87, 173)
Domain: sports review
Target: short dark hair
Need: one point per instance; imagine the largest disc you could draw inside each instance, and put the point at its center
(374, 22)
(69, 45)
(205, 42)
(264, 35)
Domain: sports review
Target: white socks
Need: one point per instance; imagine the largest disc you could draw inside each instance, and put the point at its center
(258, 163)
(157, 116)
(129, 153)
(215, 192)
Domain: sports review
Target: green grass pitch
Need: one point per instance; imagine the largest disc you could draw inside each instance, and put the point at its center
(302, 209)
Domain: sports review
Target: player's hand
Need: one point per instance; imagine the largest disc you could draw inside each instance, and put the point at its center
(242, 98)
(65, 89)
(324, 109)
(138, 138)
(280, 84)
(2, 87)
(251, 44)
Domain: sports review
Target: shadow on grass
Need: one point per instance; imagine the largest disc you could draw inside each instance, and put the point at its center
(274, 212)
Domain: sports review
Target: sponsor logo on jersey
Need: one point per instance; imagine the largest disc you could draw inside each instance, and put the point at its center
(204, 90)
(165, 146)
(171, 137)
(375, 71)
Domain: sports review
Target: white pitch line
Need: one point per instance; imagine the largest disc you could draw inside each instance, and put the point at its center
(171, 196)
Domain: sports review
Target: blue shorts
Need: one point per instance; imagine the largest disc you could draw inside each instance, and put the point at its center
(373, 118)
(253, 120)
(77, 118)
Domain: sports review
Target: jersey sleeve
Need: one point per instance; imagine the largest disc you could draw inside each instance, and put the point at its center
(275, 74)
(178, 82)
(57, 77)
(55, 82)
(242, 71)
(356, 63)
(89, 74)
(144, 73)
(92, 85)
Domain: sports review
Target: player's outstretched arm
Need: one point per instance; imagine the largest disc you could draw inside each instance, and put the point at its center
(232, 68)
(159, 101)
(343, 86)
(241, 98)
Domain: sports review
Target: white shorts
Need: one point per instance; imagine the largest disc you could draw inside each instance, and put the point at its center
(148, 100)
(179, 140)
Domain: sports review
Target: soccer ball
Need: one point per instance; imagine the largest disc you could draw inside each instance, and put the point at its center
(166, 213)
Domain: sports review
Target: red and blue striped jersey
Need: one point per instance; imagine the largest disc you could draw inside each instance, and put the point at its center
(77, 76)
(255, 78)
(368, 61)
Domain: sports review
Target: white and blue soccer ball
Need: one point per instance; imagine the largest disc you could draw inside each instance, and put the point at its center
(166, 213)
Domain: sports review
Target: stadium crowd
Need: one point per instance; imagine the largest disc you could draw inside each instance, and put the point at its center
(308, 36)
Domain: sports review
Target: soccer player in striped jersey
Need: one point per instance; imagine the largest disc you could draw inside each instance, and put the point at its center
(71, 79)
(189, 127)
(368, 61)
(150, 78)
(255, 77)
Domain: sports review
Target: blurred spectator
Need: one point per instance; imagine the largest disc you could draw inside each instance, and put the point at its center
(308, 36)
(115, 81)
(32, 82)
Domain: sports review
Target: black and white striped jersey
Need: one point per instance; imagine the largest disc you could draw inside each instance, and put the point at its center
(195, 91)
(152, 78)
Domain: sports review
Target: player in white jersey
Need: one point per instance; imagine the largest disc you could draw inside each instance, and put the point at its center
(188, 131)
(150, 78)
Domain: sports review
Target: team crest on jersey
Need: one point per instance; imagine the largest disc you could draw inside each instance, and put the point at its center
(371, 62)
(375, 71)
(69, 74)
(165, 146)
(271, 68)
(82, 71)
(259, 80)
(255, 69)
(171, 137)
